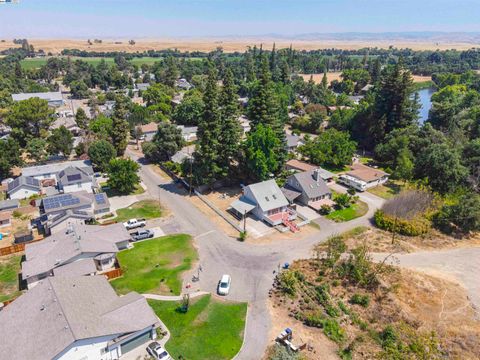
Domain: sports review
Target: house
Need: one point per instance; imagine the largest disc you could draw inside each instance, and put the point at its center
(149, 130)
(363, 177)
(142, 86)
(23, 187)
(54, 99)
(293, 142)
(297, 165)
(244, 123)
(185, 153)
(73, 179)
(189, 133)
(75, 318)
(310, 188)
(366, 88)
(59, 211)
(183, 84)
(266, 201)
(49, 171)
(10, 204)
(80, 250)
(356, 99)
(5, 218)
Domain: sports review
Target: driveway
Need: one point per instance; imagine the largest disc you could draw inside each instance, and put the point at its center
(252, 267)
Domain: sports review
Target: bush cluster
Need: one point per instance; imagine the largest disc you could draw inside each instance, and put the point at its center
(413, 227)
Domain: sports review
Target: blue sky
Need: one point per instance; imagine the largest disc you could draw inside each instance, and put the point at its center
(196, 18)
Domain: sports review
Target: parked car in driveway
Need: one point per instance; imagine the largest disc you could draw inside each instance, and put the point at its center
(156, 351)
(142, 234)
(224, 285)
(134, 223)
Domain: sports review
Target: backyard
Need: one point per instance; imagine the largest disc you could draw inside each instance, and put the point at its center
(388, 190)
(145, 209)
(9, 270)
(346, 214)
(210, 329)
(156, 265)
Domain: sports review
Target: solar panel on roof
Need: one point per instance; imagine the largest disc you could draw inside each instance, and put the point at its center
(99, 198)
(74, 177)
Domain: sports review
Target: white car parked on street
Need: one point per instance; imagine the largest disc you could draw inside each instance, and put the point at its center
(224, 285)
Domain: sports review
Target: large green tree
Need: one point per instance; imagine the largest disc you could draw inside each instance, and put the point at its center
(261, 153)
(36, 149)
(120, 127)
(207, 151)
(332, 148)
(101, 152)
(123, 175)
(10, 156)
(190, 110)
(29, 118)
(60, 142)
(167, 141)
(230, 131)
(81, 119)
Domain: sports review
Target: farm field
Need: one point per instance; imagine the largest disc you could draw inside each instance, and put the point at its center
(38, 62)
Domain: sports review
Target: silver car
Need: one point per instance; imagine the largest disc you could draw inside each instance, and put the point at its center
(156, 351)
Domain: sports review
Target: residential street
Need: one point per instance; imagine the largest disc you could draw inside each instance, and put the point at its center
(252, 267)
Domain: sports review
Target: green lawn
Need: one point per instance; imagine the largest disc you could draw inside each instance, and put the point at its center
(110, 192)
(145, 209)
(354, 211)
(210, 330)
(9, 270)
(156, 265)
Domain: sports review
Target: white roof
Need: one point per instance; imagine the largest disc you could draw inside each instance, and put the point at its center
(54, 167)
(49, 96)
(268, 195)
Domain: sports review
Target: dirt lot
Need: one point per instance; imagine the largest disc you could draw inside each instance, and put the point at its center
(55, 46)
(414, 304)
(381, 241)
(317, 78)
(18, 224)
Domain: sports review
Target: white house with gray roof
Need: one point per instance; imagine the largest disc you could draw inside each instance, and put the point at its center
(266, 201)
(73, 318)
(49, 171)
(72, 179)
(23, 187)
(81, 250)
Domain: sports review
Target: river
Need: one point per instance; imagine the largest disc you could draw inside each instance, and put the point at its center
(426, 102)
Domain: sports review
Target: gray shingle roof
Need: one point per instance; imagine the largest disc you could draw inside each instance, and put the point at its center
(307, 183)
(76, 268)
(9, 204)
(49, 96)
(61, 248)
(268, 195)
(73, 175)
(57, 167)
(61, 310)
(23, 181)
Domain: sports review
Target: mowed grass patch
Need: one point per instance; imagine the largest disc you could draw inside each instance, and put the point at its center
(145, 209)
(210, 329)
(354, 211)
(387, 190)
(155, 266)
(9, 270)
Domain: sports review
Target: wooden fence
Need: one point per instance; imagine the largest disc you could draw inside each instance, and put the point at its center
(113, 274)
(15, 248)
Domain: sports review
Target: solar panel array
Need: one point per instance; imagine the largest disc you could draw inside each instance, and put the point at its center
(74, 177)
(14, 184)
(31, 181)
(100, 199)
(60, 201)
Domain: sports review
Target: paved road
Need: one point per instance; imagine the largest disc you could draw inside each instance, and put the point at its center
(250, 266)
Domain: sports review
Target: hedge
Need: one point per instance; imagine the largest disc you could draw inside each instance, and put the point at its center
(419, 225)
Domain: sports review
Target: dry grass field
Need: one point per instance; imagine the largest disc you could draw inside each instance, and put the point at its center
(317, 78)
(55, 46)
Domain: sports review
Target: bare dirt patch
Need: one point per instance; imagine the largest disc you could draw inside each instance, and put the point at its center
(381, 241)
(317, 78)
(421, 78)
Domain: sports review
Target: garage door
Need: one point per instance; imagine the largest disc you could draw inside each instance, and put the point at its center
(135, 342)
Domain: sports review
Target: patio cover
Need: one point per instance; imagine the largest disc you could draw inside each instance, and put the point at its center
(242, 205)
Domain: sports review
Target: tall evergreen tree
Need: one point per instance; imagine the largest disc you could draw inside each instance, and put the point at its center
(207, 150)
(250, 72)
(120, 127)
(229, 127)
(274, 64)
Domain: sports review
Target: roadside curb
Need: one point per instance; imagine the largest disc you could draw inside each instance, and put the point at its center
(237, 357)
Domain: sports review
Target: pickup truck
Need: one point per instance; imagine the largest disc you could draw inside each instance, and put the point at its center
(142, 234)
(134, 223)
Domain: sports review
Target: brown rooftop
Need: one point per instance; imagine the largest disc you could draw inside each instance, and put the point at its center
(366, 173)
(150, 127)
(300, 165)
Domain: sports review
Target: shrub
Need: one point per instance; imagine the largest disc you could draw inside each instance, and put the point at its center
(362, 300)
(325, 209)
(287, 282)
(414, 227)
(343, 307)
(242, 236)
(332, 329)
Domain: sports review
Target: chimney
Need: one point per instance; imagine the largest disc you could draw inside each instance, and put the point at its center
(316, 175)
